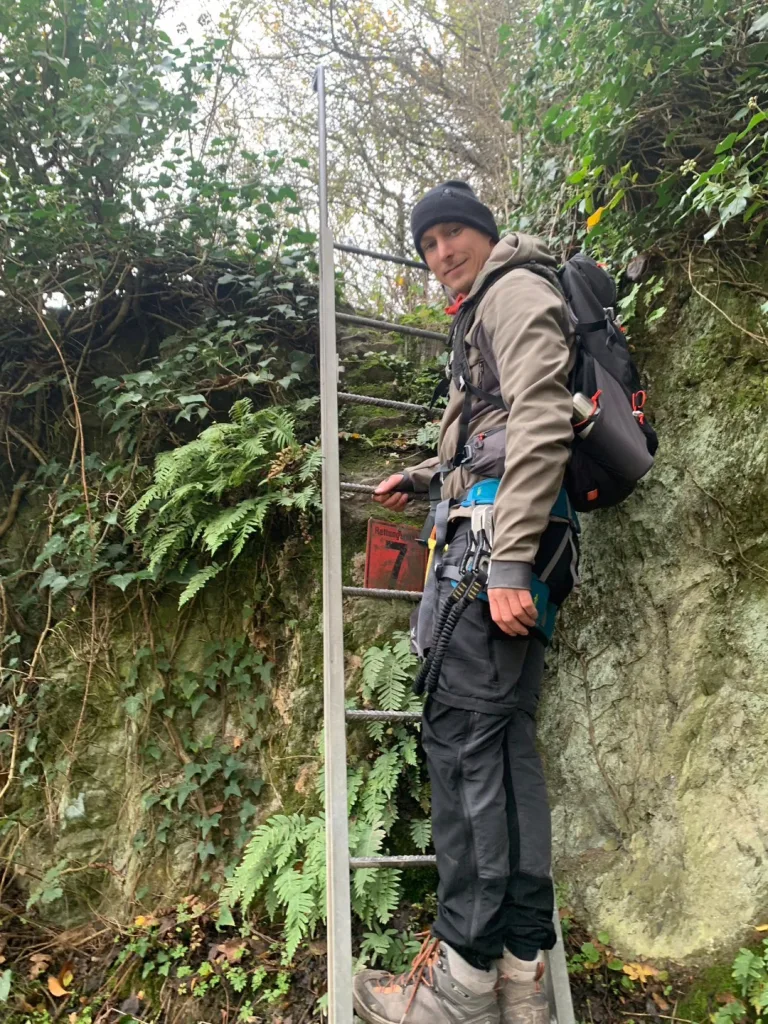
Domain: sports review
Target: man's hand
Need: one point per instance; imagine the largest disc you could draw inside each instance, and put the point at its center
(387, 495)
(512, 610)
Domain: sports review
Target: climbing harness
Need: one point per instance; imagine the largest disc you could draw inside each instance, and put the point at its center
(469, 579)
(472, 581)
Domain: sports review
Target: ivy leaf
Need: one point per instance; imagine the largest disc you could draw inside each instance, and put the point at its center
(53, 579)
(726, 143)
(206, 850)
(225, 918)
(122, 581)
(133, 705)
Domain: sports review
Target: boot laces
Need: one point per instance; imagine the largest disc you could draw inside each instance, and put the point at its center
(422, 971)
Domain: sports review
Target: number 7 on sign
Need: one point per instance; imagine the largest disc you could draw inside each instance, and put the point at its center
(402, 548)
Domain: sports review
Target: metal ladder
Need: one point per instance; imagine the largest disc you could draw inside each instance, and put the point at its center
(338, 861)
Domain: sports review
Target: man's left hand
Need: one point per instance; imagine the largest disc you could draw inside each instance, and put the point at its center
(512, 610)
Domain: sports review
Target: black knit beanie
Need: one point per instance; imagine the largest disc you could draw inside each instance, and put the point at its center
(451, 201)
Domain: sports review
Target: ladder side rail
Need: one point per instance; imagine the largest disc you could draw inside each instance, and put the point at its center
(557, 984)
(336, 816)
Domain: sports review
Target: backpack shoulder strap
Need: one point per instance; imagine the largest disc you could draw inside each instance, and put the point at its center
(465, 318)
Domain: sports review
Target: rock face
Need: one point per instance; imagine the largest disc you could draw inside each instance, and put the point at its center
(655, 718)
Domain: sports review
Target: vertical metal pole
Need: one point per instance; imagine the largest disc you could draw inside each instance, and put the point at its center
(556, 981)
(336, 817)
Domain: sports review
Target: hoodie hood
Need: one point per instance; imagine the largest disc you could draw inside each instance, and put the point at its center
(511, 251)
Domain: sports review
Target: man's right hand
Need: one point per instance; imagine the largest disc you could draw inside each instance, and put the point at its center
(386, 493)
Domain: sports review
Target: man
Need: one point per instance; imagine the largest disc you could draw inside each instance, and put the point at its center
(490, 814)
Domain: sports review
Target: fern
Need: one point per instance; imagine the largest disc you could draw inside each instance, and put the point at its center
(421, 833)
(381, 784)
(293, 891)
(284, 863)
(181, 514)
(198, 581)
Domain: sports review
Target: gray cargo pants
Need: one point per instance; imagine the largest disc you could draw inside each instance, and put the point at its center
(490, 813)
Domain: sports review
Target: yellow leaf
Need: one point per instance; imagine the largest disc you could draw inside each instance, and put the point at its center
(594, 220)
(55, 987)
(640, 972)
(67, 978)
(146, 921)
(761, 927)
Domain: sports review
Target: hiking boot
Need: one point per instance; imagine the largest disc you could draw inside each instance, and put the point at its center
(440, 988)
(521, 999)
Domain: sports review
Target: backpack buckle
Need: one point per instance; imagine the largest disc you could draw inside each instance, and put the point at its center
(610, 312)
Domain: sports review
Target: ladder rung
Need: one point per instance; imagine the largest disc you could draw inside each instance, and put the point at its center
(347, 485)
(380, 256)
(383, 716)
(393, 862)
(357, 488)
(384, 403)
(386, 325)
(384, 595)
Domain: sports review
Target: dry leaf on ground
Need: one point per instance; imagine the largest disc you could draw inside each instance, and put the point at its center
(640, 972)
(56, 988)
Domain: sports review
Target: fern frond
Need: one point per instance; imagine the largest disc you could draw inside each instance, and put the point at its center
(252, 524)
(293, 890)
(223, 526)
(240, 409)
(381, 784)
(421, 833)
(408, 749)
(198, 581)
(166, 546)
(367, 842)
(385, 893)
(136, 510)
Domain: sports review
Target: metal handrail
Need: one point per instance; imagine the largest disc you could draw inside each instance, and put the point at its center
(401, 260)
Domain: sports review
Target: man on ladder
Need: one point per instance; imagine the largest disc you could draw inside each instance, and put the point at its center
(503, 557)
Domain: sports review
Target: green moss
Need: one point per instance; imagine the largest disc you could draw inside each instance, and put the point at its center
(700, 1000)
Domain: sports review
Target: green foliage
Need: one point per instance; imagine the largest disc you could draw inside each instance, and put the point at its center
(110, 141)
(229, 353)
(284, 863)
(645, 120)
(195, 506)
(217, 779)
(750, 972)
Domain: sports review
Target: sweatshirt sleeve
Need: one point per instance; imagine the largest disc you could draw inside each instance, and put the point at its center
(526, 322)
(417, 478)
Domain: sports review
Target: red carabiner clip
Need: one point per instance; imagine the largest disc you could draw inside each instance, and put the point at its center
(638, 403)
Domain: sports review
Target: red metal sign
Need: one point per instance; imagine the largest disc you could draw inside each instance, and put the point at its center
(394, 560)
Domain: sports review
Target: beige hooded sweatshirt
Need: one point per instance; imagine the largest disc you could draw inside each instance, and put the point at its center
(525, 321)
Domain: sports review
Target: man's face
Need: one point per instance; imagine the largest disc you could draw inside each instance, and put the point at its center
(455, 253)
